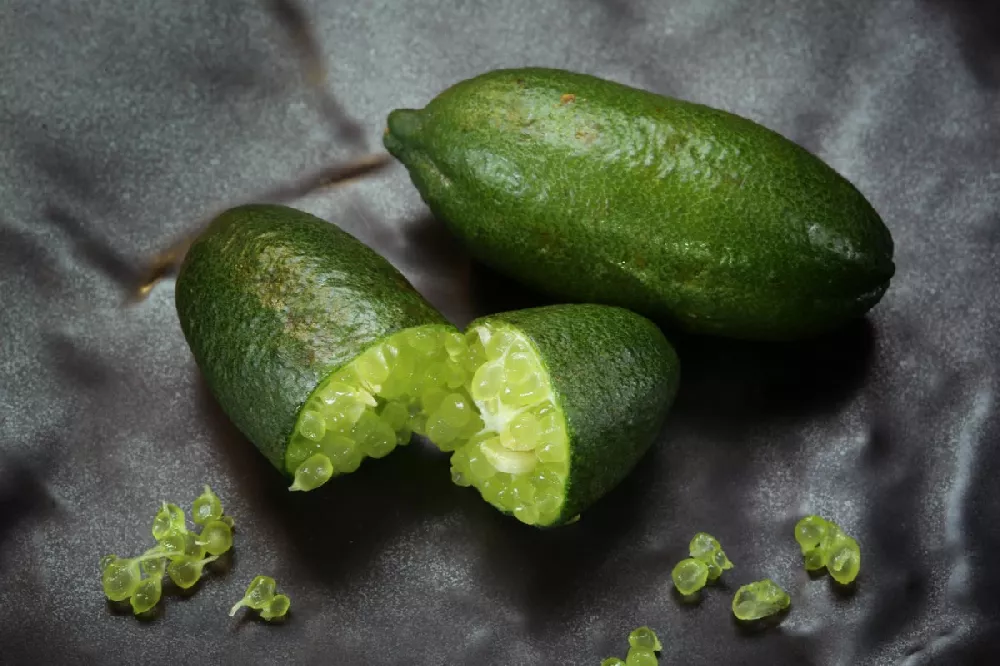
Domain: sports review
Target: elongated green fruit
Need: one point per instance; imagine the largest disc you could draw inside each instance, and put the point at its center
(594, 191)
(569, 398)
(314, 345)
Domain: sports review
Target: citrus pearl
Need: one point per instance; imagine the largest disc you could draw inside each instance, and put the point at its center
(498, 343)
(644, 638)
(395, 414)
(371, 368)
(311, 425)
(185, 572)
(455, 374)
(276, 608)
(147, 594)
(455, 410)
(432, 397)
(170, 517)
(207, 506)
(488, 382)
(381, 441)
(548, 505)
(425, 342)
(120, 578)
(440, 431)
(809, 532)
(520, 367)
(553, 453)
(641, 657)
(454, 344)
(689, 576)
(523, 394)
(526, 430)
(759, 600)
(845, 562)
(259, 594)
(217, 537)
(313, 473)
(154, 567)
(526, 513)
(480, 467)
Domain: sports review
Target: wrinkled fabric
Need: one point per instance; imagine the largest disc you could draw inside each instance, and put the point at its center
(124, 124)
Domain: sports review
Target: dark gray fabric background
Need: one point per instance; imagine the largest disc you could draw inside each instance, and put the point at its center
(124, 122)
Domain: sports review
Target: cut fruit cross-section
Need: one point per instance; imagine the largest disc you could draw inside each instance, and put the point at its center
(568, 397)
(519, 459)
(374, 403)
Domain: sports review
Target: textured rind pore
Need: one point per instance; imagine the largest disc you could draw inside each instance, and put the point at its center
(594, 191)
(614, 375)
(272, 300)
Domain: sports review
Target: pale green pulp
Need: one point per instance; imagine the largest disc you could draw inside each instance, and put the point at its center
(407, 383)
(518, 459)
(484, 396)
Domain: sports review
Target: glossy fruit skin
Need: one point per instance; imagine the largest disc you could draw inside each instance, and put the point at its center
(272, 300)
(594, 191)
(614, 375)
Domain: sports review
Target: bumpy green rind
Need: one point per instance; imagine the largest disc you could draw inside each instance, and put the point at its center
(272, 300)
(595, 191)
(614, 375)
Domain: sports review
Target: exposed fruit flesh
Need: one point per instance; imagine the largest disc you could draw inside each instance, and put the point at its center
(485, 395)
(518, 457)
(407, 383)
